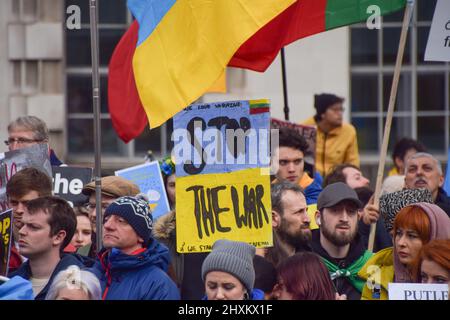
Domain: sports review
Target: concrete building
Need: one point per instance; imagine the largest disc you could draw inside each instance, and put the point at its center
(45, 71)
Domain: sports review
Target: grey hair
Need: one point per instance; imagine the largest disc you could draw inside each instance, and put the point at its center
(277, 191)
(31, 123)
(75, 278)
(425, 155)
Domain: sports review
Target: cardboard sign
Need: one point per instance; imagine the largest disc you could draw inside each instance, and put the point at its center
(68, 183)
(234, 205)
(149, 180)
(221, 137)
(5, 240)
(417, 291)
(307, 132)
(438, 45)
(12, 161)
(223, 183)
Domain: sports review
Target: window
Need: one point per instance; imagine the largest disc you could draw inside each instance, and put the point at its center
(113, 22)
(422, 105)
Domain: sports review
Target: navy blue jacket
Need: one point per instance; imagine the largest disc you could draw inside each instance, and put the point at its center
(66, 260)
(136, 277)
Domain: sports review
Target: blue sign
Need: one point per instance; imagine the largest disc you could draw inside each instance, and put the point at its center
(148, 178)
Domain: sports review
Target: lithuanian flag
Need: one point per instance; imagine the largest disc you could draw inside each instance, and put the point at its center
(305, 18)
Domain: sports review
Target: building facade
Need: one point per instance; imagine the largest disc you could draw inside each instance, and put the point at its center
(45, 70)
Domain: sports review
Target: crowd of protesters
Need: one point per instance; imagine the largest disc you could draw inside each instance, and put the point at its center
(317, 254)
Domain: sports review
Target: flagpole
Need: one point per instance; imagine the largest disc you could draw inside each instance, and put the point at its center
(285, 93)
(97, 125)
(387, 127)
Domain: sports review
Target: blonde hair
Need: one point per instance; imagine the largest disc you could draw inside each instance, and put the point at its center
(75, 278)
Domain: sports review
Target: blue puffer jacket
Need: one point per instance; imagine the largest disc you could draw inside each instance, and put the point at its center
(314, 189)
(140, 276)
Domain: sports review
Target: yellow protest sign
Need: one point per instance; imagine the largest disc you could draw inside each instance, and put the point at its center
(312, 208)
(234, 205)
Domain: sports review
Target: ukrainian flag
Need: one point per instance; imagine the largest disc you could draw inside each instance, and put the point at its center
(184, 46)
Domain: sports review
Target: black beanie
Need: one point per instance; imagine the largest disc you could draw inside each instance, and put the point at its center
(323, 101)
(136, 212)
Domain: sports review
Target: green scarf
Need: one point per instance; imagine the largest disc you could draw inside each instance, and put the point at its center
(351, 273)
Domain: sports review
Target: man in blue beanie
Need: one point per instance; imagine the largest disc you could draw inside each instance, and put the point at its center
(132, 265)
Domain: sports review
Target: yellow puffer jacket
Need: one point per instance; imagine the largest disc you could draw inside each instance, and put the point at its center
(338, 146)
(380, 270)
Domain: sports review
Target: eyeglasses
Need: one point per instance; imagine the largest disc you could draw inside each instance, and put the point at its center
(337, 109)
(21, 141)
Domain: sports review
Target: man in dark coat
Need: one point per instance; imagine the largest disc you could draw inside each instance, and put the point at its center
(337, 240)
(48, 226)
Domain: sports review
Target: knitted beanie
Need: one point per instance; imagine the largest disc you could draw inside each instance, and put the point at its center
(323, 101)
(392, 203)
(136, 212)
(233, 257)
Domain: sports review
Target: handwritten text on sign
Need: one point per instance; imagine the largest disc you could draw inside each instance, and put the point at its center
(215, 206)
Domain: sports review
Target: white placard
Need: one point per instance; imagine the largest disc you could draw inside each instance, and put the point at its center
(438, 45)
(417, 291)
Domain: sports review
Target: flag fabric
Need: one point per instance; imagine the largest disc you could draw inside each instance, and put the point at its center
(305, 18)
(127, 114)
(184, 46)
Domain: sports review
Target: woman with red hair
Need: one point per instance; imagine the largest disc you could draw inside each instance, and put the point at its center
(303, 276)
(414, 226)
(433, 263)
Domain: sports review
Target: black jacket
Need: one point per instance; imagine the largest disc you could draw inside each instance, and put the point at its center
(357, 249)
(443, 201)
(66, 260)
(383, 239)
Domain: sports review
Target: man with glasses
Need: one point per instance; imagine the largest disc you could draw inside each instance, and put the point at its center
(113, 187)
(29, 130)
(336, 141)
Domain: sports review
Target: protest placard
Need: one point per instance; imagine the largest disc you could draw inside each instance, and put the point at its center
(418, 291)
(307, 132)
(68, 183)
(222, 160)
(221, 137)
(5, 240)
(438, 45)
(149, 180)
(12, 161)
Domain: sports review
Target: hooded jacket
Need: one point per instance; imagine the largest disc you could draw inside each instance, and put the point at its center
(385, 267)
(140, 276)
(66, 260)
(356, 251)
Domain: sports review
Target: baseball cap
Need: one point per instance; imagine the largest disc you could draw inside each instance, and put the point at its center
(335, 193)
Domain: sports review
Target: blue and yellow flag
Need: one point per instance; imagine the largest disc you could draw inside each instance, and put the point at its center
(184, 46)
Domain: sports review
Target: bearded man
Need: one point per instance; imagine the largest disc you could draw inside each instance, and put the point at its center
(290, 221)
(337, 240)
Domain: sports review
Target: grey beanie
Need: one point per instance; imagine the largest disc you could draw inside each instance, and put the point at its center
(233, 257)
